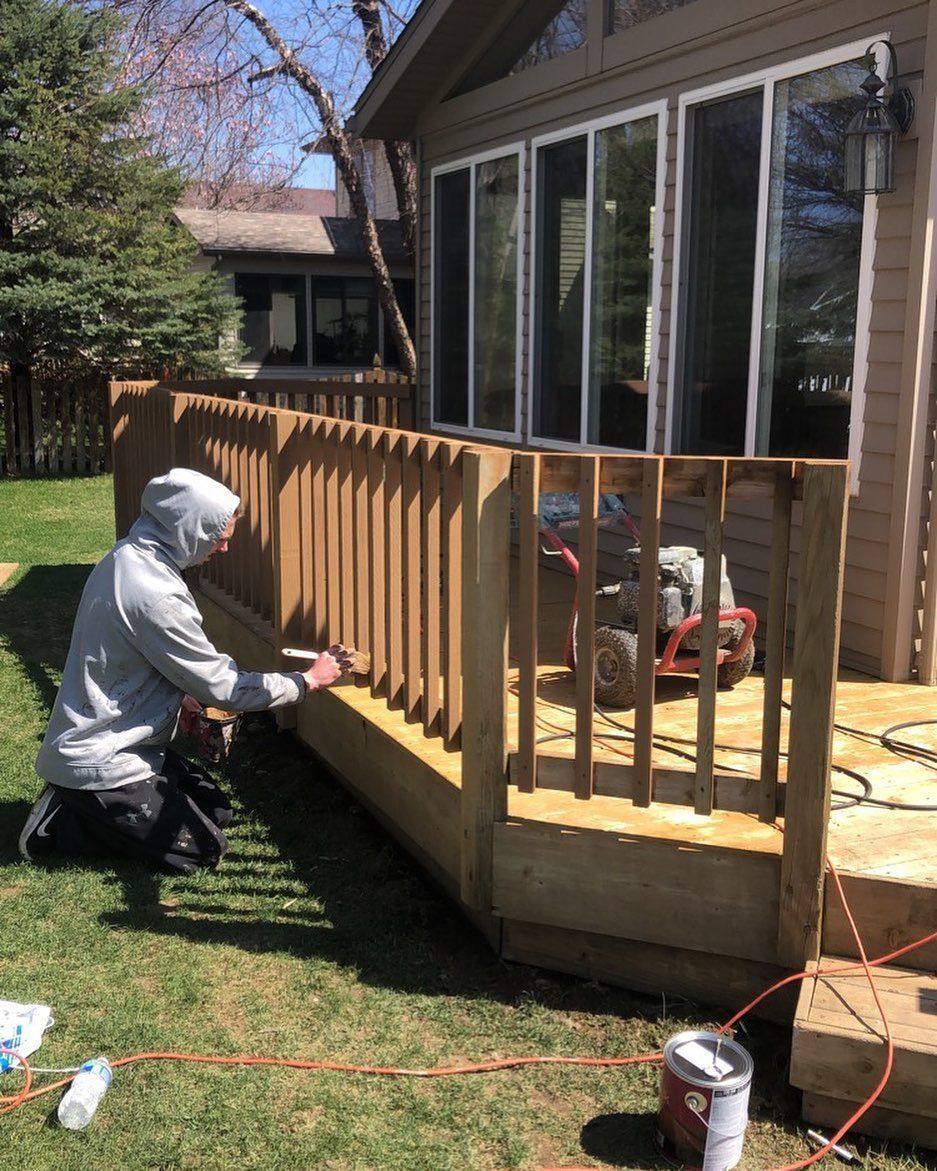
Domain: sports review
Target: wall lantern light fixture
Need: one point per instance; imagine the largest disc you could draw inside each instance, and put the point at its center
(871, 133)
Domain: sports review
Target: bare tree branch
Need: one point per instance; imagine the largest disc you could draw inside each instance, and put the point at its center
(399, 154)
(342, 149)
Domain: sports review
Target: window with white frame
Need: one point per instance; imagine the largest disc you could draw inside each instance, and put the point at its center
(596, 229)
(476, 217)
(770, 250)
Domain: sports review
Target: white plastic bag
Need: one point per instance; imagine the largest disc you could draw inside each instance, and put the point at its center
(21, 1028)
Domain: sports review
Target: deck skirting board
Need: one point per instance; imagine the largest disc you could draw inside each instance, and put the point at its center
(882, 1121)
(685, 895)
(387, 777)
(889, 912)
(650, 968)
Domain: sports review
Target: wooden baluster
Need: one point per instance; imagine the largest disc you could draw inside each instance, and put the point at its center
(585, 623)
(776, 640)
(346, 516)
(307, 523)
(254, 502)
(411, 539)
(709, 635)
(653, 477)
(332, 534)
(317, 461)
(393, 511)
(285, 537)
(377, 586)
(452, 598)
(527, 614)
(430, 540)
(264, 517)
(362, 561)
(813, 704)
(117, 403)
(486, 478)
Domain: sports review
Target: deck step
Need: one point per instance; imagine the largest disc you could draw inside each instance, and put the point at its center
(838, 1050)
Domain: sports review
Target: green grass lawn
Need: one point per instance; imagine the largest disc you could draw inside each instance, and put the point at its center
(316, 938)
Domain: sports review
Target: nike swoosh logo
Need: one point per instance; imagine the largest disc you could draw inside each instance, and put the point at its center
(42, 830)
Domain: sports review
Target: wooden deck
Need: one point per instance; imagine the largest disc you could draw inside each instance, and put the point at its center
(606, 868)
(633, 864)
(863, 839)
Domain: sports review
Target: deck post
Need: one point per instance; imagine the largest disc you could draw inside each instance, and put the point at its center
(285, 539)
(486, 496)
(116, 394)
(813, 702)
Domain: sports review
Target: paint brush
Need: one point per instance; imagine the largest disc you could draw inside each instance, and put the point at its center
(359, 662)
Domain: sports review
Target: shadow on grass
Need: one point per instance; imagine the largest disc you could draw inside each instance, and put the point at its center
(309, 873)
(36, 616)
(621, 1140)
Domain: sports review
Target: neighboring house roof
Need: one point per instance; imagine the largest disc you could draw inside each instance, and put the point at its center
(244, 197)
(421, 60)
(291, 234)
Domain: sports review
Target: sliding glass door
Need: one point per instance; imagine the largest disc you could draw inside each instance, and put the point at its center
(770, 269)
(476, 220)
(595, 247)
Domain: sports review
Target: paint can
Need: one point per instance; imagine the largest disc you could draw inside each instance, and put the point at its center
(703, 1101)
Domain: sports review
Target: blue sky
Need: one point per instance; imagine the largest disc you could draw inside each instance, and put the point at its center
(332, 36)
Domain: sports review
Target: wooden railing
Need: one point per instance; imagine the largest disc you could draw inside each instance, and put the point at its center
(350, 533)
(380, 397)
(399, 544)
(650, 480)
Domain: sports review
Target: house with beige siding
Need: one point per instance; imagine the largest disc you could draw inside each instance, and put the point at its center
(635, 236)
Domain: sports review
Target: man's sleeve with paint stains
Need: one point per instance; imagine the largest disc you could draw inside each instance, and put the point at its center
(171, 638)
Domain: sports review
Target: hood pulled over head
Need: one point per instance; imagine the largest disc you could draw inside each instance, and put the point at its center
(185, 513)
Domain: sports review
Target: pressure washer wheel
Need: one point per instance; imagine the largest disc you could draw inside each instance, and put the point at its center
(728, 674)
(616, 657)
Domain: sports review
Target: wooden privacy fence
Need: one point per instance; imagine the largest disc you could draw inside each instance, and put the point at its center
(54, 427)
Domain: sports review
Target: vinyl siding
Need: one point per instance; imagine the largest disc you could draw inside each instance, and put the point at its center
(754, 34)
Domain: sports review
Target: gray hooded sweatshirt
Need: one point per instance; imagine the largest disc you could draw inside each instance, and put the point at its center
(138, 646)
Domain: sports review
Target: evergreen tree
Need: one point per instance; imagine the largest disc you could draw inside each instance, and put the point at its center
(94, 274)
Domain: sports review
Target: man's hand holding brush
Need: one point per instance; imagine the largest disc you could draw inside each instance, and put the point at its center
(327, 665)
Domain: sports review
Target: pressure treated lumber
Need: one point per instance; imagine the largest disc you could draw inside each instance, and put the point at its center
(682, 893)
(775, 636)
(486, 480)
(813, 701)
(709, 632)
(528, 592)
(652, 486)
(838, 1047)
(585, 622)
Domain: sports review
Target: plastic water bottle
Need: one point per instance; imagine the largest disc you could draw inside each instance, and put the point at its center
(82, 1097)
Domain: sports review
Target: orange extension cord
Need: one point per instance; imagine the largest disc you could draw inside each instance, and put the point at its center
(12, 1102)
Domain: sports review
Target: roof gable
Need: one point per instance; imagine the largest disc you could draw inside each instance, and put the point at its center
(443, 41)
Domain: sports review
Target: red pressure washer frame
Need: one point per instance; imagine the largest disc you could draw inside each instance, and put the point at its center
(669, 662)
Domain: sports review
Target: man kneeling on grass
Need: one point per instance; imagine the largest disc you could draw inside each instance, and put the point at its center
(113, 783)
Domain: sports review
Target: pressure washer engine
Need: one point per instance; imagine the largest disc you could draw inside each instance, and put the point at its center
(679, 631)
